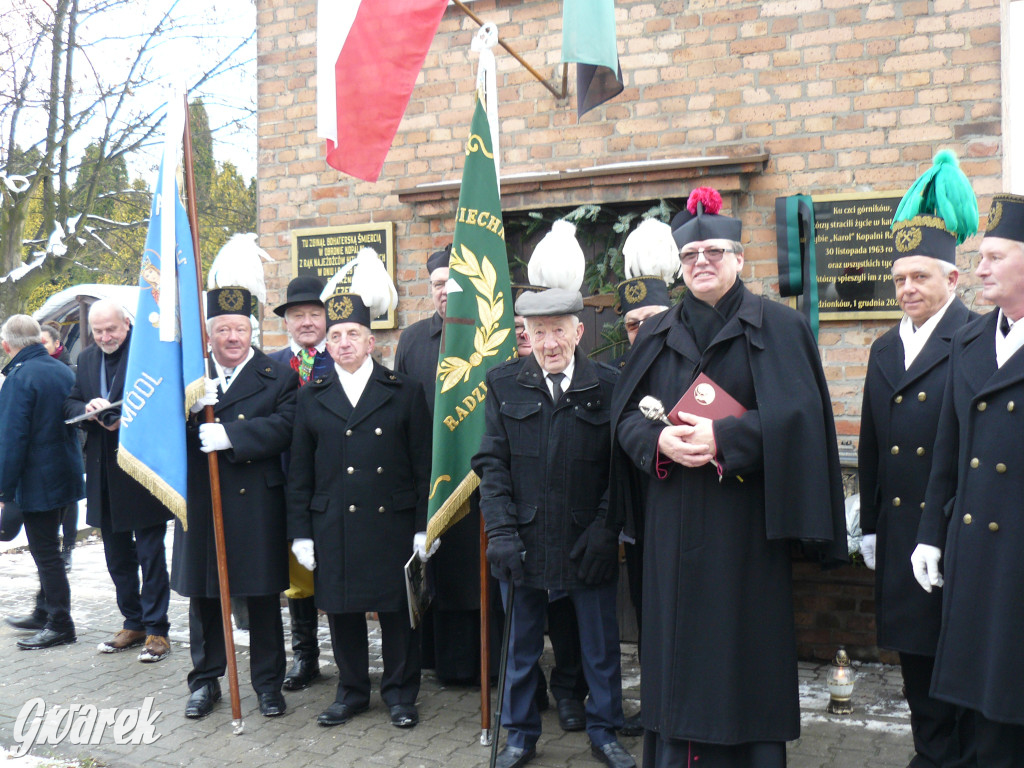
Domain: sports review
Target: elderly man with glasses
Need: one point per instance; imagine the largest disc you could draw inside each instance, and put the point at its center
(725, 496)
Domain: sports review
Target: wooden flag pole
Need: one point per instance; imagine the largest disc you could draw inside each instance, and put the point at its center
(238, 725)
(485, 642)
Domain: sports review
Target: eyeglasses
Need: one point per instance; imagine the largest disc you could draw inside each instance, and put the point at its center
(713, 255)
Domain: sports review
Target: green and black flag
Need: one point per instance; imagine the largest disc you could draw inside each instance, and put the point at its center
(477, 331)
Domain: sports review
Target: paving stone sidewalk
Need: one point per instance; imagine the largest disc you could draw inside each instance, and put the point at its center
(877, 734)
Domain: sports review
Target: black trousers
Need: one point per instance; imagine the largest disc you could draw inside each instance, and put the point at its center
(677, 753)
(567, 680)
(400, 649)
(933, 723)
(44, 545)
(144, 606)
(266, 642)
(988, 744)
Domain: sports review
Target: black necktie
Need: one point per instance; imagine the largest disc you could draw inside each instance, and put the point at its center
(556, 385)
(1004, 325)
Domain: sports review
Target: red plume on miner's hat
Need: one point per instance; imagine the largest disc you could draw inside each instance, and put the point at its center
(701, 221)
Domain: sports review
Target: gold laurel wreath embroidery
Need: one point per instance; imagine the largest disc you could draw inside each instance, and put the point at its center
(230, 300)
(908, 239)
(490, 307)
(995, 215)
(635, 292)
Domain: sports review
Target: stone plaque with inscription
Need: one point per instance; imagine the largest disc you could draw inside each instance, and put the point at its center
(854, 254)
(323, 251)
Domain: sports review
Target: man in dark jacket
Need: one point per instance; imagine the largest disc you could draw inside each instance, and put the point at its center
(543, 467)
(132, 521)
(972, 516)
(717, 571)
(254, 412)
(357, 495)
(40, 465)
(306, 353)
(906, 376)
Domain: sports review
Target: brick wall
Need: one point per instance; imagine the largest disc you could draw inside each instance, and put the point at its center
(845, 96)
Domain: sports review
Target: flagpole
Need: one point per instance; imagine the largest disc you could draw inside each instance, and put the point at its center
(485, 642)
(238, 725)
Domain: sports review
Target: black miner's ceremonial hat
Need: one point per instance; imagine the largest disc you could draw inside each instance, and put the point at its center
(924, 236)
(643, 291)
(1006, 217)
(304, 289)
(347, 308)
(439, 259)
(229, 301)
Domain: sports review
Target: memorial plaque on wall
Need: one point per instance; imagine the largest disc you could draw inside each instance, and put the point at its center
(854, 253)
(323, 251)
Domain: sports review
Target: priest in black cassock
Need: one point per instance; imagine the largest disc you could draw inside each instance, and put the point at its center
(719, 656)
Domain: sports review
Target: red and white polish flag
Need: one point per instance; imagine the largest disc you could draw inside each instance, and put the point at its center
(369, 53)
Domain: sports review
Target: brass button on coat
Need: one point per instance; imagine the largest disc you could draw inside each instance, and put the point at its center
(898, 399)
(241, 415)
(975, 463)
(968, 519)
(380, 509)
(1009, 406)
(920, 450)
(378, 431)
(993, 527)
(351, 507)
(894, 450)
(922, 396)
(922, 505)
(1000, 468)
(241, 491)
(982, 405)
(896, 502)
(348, 433)
(350, 470)
(380, 470)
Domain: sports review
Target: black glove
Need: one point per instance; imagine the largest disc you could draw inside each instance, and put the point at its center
(597, 549)
(505, 554)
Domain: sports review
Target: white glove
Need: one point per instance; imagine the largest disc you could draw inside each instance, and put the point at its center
(419, 546)
(867, 549)
(925, 561)
(208, 398)
(303, 551)
(213, 438)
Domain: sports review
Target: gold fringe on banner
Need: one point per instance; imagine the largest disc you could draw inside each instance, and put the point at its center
(153, 483)
(454, 509)
(193, 392)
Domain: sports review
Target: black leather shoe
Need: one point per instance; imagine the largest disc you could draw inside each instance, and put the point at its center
(271, 704)
(404, 715)
(614, 755)
(201, 702)
(47, 638)
(632, 726)
(513, 757)
(302, 673)
(571, 715)
(338, 714)
(33, 622)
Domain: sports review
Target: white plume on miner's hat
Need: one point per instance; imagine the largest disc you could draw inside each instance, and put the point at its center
(558, 265)
(370, 294)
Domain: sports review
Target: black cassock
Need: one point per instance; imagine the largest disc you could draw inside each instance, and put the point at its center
(719, 655)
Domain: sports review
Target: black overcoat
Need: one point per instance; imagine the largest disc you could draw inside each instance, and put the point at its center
(977, 479)
(357, 486)
(257, 412)
(544, 467)
(40, 461)
(898, 420)
(719, 654)
(454, 568)
(132, 507)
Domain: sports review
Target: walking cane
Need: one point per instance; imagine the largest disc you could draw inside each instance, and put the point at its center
(506, 633)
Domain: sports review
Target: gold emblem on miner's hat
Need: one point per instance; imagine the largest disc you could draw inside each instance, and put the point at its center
(908, 239)
(340, 308)
(230, 300)
(995, 215)
(635, 292)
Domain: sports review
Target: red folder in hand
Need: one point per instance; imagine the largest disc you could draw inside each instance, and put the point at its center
(706, 398)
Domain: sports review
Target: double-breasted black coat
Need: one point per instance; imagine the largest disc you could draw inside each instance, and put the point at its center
(357, 486)
(543, 466)
(897, 437)
(132, 507)
(453, 566)
(257, 412)
(719, 653)
(974, 513)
